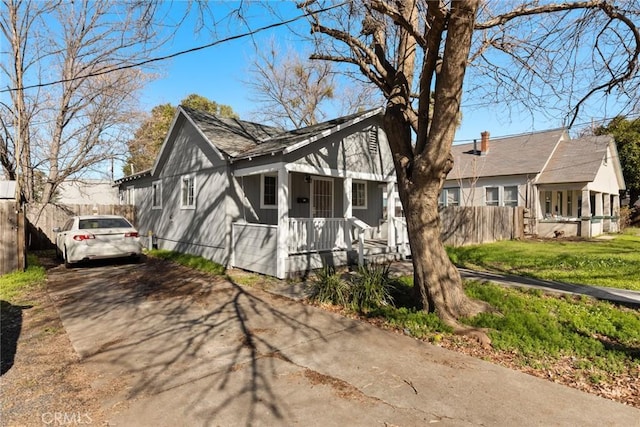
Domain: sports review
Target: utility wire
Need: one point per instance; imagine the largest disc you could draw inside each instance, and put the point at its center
(179, 53)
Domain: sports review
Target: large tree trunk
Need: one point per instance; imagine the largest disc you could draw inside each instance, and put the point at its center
(422, 168)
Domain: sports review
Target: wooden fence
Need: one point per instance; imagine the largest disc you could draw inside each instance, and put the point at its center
(471, 225)
(42, 220)
(12, 237)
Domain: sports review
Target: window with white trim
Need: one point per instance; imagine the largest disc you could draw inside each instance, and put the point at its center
(129, 196)
(510, 196)
(492, 195)
(188, 192)
(450, 197)
(156, 195)
(268, 191)
(359, 194)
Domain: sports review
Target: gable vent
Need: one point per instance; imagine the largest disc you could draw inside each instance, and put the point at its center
(373, 141)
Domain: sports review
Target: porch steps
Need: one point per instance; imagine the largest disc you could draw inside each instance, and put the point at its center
(382, 258)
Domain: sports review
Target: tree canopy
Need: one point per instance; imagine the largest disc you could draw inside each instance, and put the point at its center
(627, 136)
(150, 135)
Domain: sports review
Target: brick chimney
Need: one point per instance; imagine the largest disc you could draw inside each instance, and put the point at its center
(484, 142)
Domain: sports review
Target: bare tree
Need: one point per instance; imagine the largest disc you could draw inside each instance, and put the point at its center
(291, 91)
(414, 50)
(87, 49)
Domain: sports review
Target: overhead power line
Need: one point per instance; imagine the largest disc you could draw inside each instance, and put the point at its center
(179, 53)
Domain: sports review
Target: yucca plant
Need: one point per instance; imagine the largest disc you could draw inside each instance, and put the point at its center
(371, 288)
(329, 287)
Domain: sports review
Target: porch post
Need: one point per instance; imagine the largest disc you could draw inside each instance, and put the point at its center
(585, 218)
(348, 209)
(282, 251)
(391, 213)
(615, 213)
(606, 222)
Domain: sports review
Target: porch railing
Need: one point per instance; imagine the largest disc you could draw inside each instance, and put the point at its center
(316, 234)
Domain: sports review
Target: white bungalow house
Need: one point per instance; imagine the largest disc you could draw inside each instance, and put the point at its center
(568, 186)
(266, 200)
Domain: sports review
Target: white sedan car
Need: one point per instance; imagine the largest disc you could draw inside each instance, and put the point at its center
(91, 237)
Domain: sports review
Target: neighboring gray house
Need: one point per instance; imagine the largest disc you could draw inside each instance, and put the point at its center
(87, 192)
(567, 185)
(264, 199)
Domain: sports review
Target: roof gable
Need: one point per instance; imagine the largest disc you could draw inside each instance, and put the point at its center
(516, 155)
(580, 160)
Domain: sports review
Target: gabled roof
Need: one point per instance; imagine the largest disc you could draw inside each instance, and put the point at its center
(230, 136)
(7, 189)
(577, 160)
(516, 155)
(240, 139)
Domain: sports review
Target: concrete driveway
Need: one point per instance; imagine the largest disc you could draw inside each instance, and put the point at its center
(175, 347)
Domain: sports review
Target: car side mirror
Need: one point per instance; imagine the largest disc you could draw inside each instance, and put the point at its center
(56, 229)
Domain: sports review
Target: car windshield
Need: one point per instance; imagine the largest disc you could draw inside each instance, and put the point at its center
(86, 224)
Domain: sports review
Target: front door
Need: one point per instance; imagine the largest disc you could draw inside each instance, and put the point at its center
(322, 198)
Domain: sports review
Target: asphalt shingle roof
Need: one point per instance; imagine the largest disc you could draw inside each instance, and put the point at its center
(241, 139)
(231, 136)
(516, 155)
(576, 160)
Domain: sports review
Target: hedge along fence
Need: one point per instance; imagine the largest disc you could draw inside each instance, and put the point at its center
(42, 220)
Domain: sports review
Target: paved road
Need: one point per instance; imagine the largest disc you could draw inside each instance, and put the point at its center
(222, 354)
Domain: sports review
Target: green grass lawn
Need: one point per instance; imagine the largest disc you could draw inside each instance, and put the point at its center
(12, 285)
(613, 263)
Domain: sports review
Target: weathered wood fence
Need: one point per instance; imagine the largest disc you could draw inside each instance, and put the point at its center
(471, 225)
(42, 220)
(12, 237)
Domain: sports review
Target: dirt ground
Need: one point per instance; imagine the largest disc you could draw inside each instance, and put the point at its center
(43, 381)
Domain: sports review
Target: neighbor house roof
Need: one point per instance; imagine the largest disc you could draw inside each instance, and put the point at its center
(7, 189)
(516, 155)
(576, 160)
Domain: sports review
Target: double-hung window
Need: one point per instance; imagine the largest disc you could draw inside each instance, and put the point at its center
(359, 194)
(188, 192)
(510, 196)
(156, 195)
(492, 195)
(450, 197)
(269, 192)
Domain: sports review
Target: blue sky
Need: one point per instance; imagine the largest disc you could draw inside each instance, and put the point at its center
(218, 73)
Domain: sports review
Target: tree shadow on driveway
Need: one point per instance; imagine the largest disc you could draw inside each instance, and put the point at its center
(190, 347)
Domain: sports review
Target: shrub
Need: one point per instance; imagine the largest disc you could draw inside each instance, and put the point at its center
(328, 287)
(371, 288)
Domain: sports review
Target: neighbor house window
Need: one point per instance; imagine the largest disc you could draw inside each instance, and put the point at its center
(511, 196)
(188, 192)
(156, 195)
(492, 196)
(269, 192)
(359, 194)
(450, 197)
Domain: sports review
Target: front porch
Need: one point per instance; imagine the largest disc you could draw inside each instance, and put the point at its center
(576, 212)
(313, 243)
